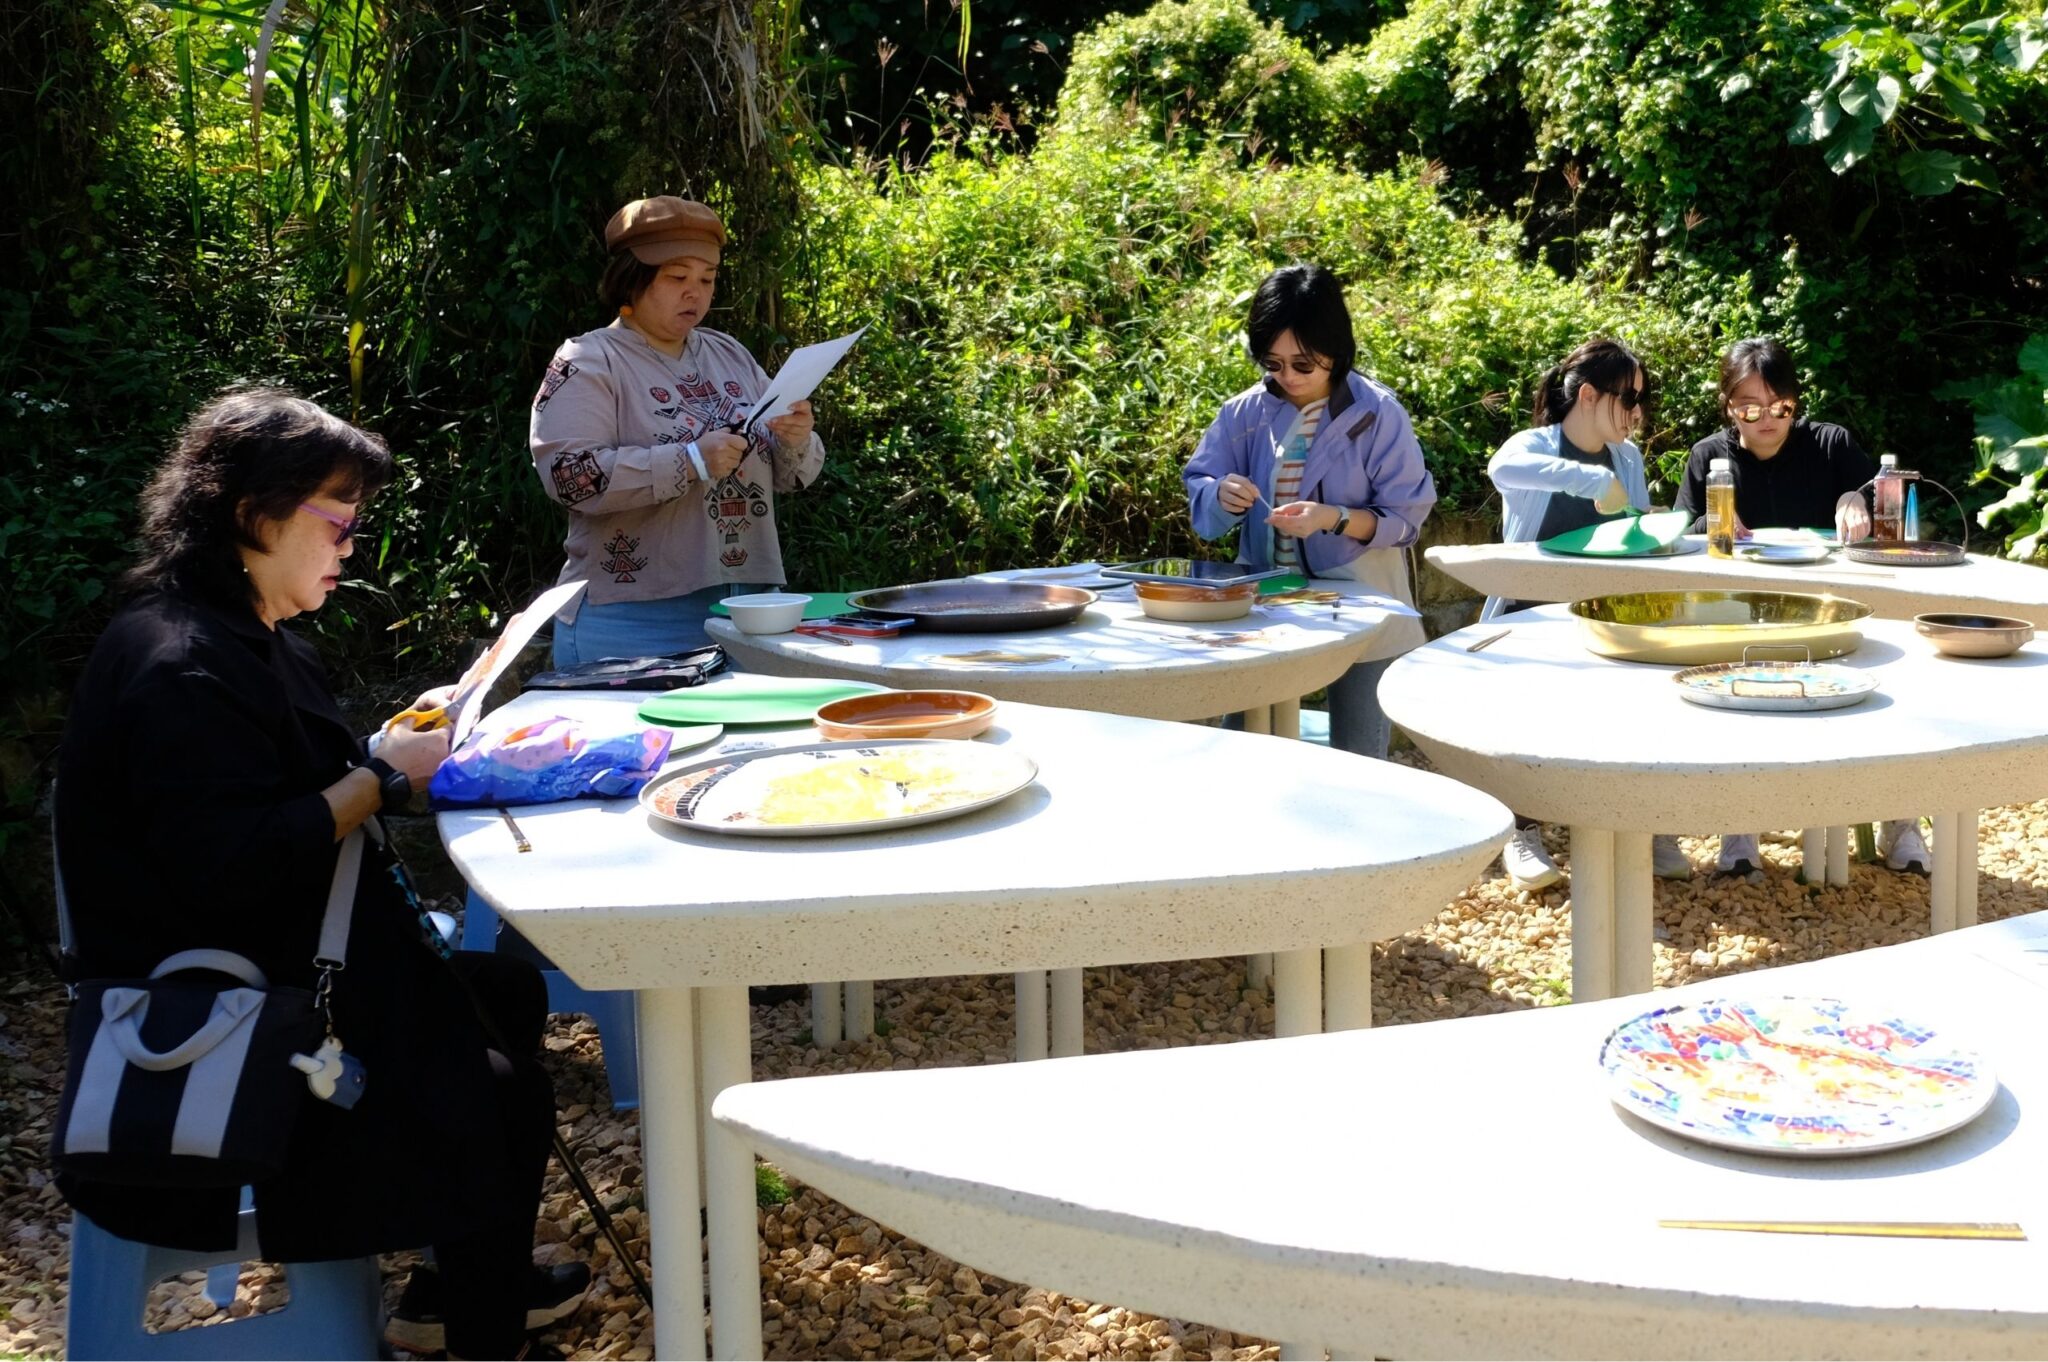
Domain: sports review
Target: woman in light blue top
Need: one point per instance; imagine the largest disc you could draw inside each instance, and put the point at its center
(1319, 470)
(1576, 466)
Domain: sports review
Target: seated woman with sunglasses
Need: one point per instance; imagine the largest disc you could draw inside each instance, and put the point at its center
(1319, 467)
(1574, 467)
(1790, 473)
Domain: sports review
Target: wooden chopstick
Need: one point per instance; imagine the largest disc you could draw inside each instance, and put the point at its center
(1876, 1229)
(517, 835)
(1489, 639)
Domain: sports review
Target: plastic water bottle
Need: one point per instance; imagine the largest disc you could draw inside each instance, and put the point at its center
(1888, 502)
(1721, 508)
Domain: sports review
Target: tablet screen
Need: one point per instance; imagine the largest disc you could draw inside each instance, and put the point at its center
(1193, 570)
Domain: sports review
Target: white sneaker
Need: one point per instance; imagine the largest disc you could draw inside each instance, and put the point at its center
(1739, 854)
(1667, 859)
(1903, 845)
(1528, 865)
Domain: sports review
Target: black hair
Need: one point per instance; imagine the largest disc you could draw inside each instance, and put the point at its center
(249, 456)
(1763, 357)
(1605, 366)
(626, 276)
(1309, 301)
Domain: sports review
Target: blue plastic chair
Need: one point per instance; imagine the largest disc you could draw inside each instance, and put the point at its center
(611, 1009)
(335, 1310)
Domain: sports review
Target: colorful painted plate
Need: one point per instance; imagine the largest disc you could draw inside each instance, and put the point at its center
(1783, 553)
(1802, 1076)
(824, 789)
(1775, 686)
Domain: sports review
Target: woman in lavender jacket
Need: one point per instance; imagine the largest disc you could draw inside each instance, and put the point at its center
(1320, 468)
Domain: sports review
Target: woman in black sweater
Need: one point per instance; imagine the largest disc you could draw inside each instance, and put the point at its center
(1790, 473)
(206, 779)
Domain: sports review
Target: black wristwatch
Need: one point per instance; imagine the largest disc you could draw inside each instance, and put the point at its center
(393, 784)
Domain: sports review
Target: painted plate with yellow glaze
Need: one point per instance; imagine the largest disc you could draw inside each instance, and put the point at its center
(825, 789)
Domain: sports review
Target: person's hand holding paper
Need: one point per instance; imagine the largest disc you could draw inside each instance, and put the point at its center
(796, 380)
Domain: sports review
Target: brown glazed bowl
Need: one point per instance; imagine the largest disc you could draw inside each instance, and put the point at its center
(1974, 635)
(907, 714)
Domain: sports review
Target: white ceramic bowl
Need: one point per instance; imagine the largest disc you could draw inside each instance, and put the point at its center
(766, 612)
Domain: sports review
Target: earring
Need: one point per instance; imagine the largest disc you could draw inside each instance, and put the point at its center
(625, 309)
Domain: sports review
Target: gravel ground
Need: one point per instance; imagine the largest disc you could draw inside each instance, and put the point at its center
(839, 1285)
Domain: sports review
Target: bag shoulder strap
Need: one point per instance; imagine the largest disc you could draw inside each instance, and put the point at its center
(341, 900)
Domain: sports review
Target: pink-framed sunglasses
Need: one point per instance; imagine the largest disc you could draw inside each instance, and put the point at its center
(344, 530)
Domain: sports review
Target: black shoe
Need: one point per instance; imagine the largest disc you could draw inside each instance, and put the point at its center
(770, 995)
(552, 1295)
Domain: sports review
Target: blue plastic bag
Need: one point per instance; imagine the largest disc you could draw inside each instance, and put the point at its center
(546, 761)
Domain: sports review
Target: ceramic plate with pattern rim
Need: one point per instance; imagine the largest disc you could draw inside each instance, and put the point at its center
(831, 788)
(1775, 687)
(1802, 1076)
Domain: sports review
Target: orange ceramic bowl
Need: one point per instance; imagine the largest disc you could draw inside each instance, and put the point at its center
(1184, 591)
(907, 714)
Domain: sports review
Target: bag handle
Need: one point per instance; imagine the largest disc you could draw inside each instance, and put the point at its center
(122, 1011)
(222, 962)
(332, 953)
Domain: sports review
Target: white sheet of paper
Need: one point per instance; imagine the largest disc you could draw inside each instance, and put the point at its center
(800, 376)
(519, 631)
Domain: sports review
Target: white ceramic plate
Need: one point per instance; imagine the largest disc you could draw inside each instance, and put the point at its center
(825, 789)
(1783, 553)
(1813, 1077)
(1775, 686)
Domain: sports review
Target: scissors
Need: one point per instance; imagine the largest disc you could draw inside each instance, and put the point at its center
(421, 720)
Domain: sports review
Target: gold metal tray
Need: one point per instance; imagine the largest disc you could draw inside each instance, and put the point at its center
(1687, 628)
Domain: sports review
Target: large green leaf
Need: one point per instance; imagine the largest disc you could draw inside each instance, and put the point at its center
(2022, 45)
(1929, 173)
(1848, 150)
(2034, 359)
(1960, 102)
(1739, 83)
(1857, 95)
(1887, 97)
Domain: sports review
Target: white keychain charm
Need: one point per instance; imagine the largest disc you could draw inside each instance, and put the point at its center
(332, 1075)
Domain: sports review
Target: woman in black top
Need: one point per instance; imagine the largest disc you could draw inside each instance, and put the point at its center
(1789, 473)
(205, 781)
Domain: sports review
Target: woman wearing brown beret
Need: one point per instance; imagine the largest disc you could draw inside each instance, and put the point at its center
(635, 434)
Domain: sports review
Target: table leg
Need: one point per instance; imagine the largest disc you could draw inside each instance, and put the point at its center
(1287, 719)
(1942, 892)
(668, 1136)
(1635, 924)
(827, 1026)
(1592, 914)
(1065, 1026)
(1813, 856)
(727, 1045)
(860, 1009)
(1258, 970)
(1031, 1037)
(1259, 719)
(1303, 1352)
(1298, 992)
(1965, 863)
(1838, 856)
(1347, 987)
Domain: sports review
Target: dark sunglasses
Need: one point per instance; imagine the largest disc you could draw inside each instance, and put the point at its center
(1301, 364)
(344, 530)
(1750, 413)
(1630, 398)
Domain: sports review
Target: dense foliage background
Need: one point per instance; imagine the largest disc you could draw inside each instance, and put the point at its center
(1052, 239)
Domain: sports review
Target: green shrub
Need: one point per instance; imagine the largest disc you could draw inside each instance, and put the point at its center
(1196, 71)
(1051, 336)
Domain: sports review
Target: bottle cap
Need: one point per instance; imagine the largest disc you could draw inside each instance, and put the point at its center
(1887, 461)
(1724, 465)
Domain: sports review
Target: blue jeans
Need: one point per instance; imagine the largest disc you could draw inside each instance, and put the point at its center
(674, 624)
(1356, 723)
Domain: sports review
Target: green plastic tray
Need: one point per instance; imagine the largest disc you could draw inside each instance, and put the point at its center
(749, 699)
(1630, 537)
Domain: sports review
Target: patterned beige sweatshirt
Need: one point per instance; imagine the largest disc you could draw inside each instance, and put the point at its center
(610, 424)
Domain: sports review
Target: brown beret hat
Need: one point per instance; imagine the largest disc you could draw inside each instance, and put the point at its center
(667, 228)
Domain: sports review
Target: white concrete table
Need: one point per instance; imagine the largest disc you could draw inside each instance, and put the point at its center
(1115, 660)
(1465, 1188)
(1610, 749)
(1118, 854)
(1980, 585)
